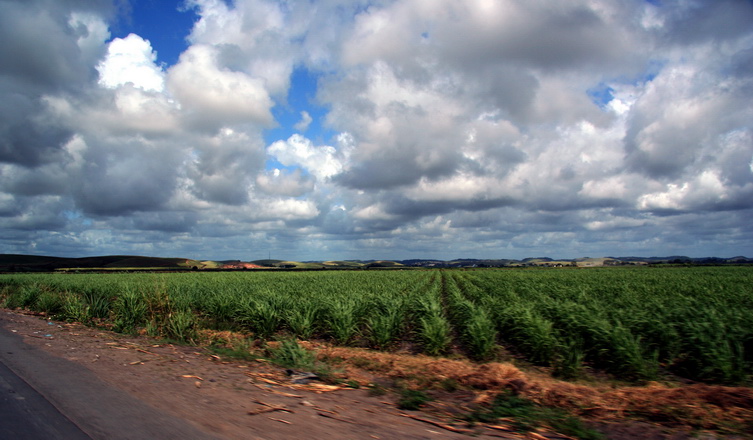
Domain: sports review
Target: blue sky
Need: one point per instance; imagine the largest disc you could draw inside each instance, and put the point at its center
(166, 24)
(326, 129)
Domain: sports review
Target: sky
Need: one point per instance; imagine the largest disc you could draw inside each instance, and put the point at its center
(385, 129)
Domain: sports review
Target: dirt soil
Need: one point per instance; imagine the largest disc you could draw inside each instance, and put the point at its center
(232, 399)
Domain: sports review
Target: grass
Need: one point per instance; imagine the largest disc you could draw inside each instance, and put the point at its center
(130, 312)
(527, 416)
(51, 303)
(98, 304)
(289, 354)
(240, 349)
(74, 309)
(412, 400)
(181, 326)
(376, 390)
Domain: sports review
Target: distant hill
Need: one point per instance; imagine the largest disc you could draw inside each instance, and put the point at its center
(34, 263)
(267, 263)
(23, 263)
(338, 264)
(384, 263)
(282, 264)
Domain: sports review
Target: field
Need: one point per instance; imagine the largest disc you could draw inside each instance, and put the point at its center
(634, 324)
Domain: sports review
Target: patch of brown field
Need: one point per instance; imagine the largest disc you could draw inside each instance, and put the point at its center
(704, 406)
(222, 337)
(424, 370)
(697, 406)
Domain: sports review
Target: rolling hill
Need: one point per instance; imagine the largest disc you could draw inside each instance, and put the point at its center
(35, 263)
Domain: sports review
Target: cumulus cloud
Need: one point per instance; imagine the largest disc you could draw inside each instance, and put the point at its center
(304, 123)
(131, 60)
(289, 209)
(321, 161)
(222, 167)
(251, 36)
(282, 182)
(449, 128)
(214, 96)
(45, 51)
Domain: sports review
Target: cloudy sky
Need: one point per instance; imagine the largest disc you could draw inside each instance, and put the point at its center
(385, 129)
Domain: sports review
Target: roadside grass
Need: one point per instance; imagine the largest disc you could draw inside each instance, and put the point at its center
(376, 390)
(181, 326)
(130, 312)
(74, 309)
(525, 415)
(240, 349)
(288, 353)
(412, 400)
(97, 302)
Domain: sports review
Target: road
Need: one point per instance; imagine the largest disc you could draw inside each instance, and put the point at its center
(49, 398)
(27, 415)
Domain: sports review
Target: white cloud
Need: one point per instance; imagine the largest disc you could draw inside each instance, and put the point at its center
(373, 212)
(143, 112)
(611, 223)
(127, 110)
(253, 36)
(222, 167)
(93, 32)
(215, 96)
(702, 192)
(131, 60)
(291, 184)
(460, 189)
(321, 161)
(614, 187)
(304, 123)
(289, 209)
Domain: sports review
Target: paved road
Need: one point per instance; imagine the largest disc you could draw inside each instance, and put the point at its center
(27, 415)
(49, 398)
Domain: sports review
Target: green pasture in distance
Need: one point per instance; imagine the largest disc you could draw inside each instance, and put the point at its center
(636, 323)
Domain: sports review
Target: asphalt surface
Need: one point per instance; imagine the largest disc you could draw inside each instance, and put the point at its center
(27, 415)
(43, 397)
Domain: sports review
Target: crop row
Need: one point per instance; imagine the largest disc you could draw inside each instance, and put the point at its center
(636, 323)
